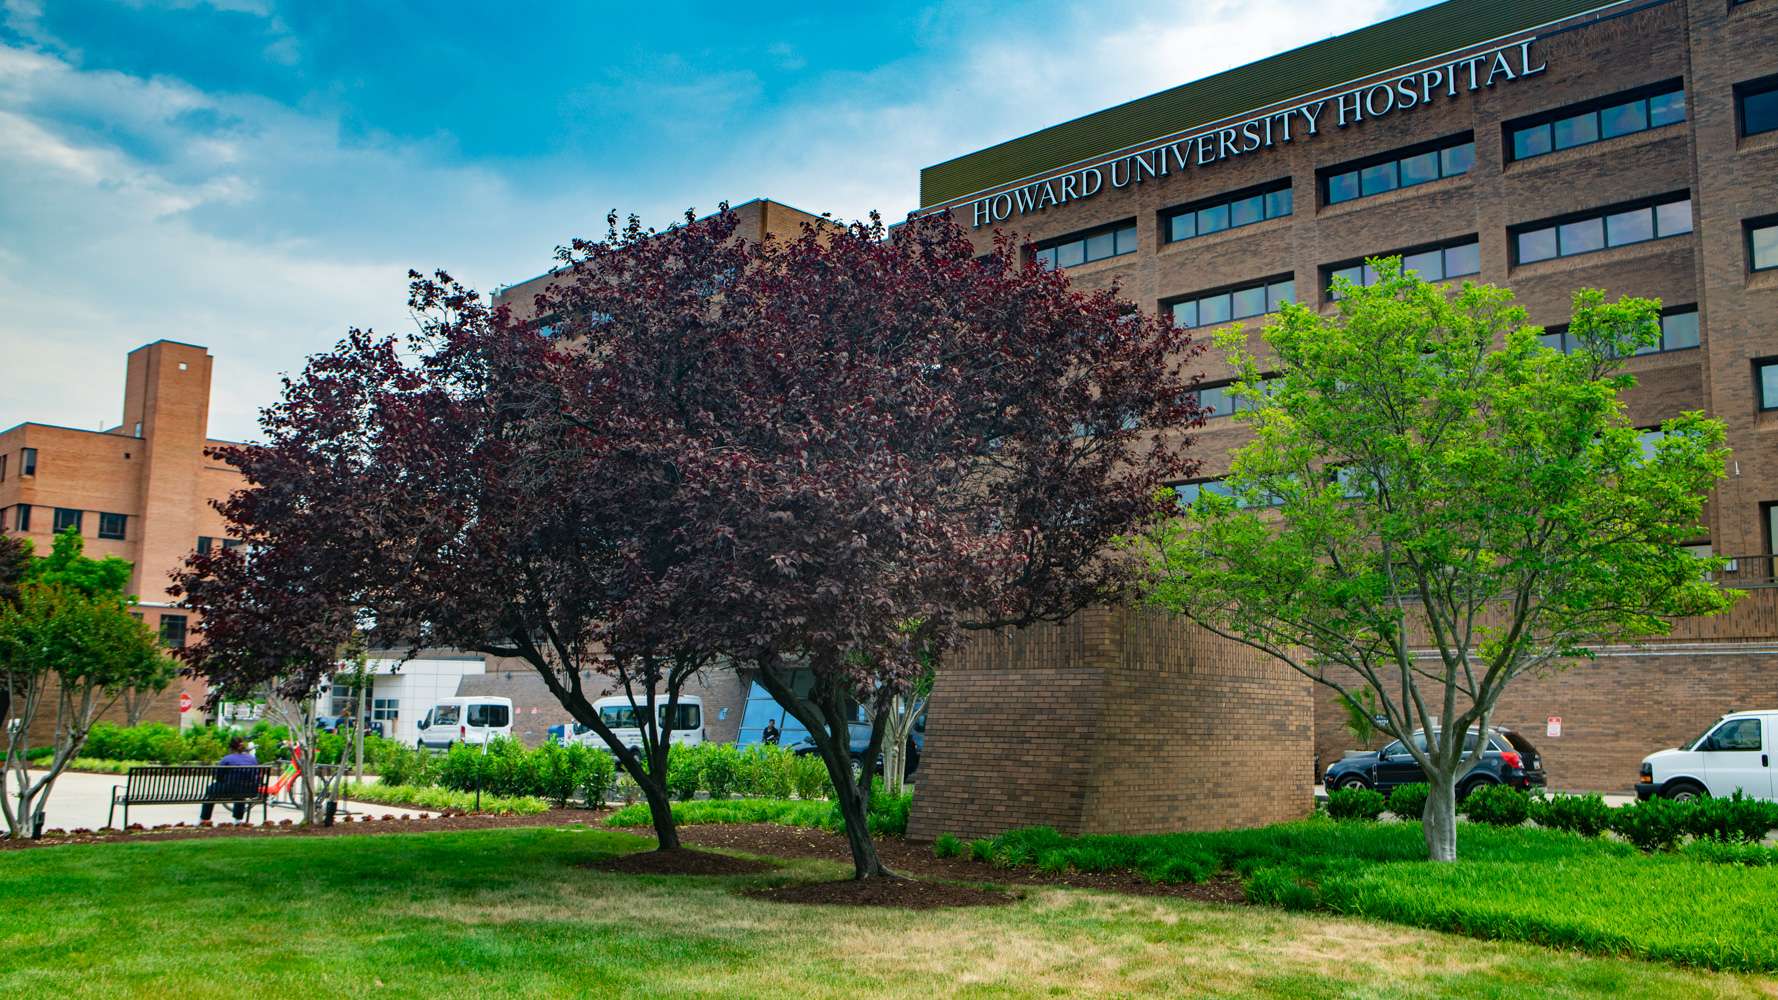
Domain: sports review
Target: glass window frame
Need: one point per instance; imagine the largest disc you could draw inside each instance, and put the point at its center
(1752, 229)
(1521, 135)
(1760, 366)
(68, 517)
(1562, 226)
(1270, 290)
(1060, 252)
(1767, 88)
(1218, 214)
(171, 628)
(1367, 275)
(27, 462)
(1352, 175)
(106, 529)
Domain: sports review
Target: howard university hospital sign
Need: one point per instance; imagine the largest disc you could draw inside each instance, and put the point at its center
(1414, 90)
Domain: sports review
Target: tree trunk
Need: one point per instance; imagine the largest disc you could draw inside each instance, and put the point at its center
(856, 813)
(1439, 821)
(660, 813)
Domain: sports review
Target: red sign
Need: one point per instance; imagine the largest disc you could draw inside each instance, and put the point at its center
(1554, 726)
(185, 701)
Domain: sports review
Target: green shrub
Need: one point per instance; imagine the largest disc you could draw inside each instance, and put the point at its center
(1497, 805)
(808, 776)
(784, 812)
(599, 778)
(764, 772)
(1724, 852)
(981, 850)
(1409, 801)
(404, 765)
(1653, 825)
(1736, 818)
(1587, 815)
(682, 770)
(947, 846)
(1280, 887)
(717, 770)
(445, 798)
(1354, 803)
(460, 767)
(561, 771)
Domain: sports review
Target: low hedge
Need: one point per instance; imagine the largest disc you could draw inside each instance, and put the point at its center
(441, 799)
(888, 815)
(1354, 803)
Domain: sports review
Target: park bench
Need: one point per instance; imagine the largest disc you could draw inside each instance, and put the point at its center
(191, 784)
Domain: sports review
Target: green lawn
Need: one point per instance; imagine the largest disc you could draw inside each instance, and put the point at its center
(507, 913)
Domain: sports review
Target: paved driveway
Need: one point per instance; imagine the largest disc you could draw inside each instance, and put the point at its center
(82, 800)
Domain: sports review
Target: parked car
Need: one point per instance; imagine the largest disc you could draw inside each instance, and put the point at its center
(858, 734)
(464, 720)
(1733, 755)
(1510, 759)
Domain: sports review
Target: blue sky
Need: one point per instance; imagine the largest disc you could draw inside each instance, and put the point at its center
(257, 176)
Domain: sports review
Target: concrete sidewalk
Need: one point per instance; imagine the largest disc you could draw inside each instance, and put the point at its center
(81, 800)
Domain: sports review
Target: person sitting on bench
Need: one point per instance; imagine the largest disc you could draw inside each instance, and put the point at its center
(232, 782)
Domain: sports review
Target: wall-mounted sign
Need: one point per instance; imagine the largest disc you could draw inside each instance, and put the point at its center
(1554, 728)
(1344, 110)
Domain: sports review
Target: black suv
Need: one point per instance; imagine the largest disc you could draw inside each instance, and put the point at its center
(1510, 760)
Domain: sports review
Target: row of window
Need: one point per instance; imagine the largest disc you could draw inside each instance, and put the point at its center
(1679, 330)
(1272, 201)
(1238, 303)
(207, 543)
(1606, 118)
(111, 526)
(27, 463)
(1670, 215)
(1450, 158)
(1565, 128)
(1453, 260)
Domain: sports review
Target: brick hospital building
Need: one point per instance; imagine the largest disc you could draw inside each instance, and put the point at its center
(1545, 145)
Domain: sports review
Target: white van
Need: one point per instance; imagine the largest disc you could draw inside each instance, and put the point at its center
(1734, 755)
(615, 712)
(464, 720)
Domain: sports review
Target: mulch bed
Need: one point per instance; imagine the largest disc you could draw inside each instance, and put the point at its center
(680, 862)
(366, 823)
(918, 860)
(896, 893)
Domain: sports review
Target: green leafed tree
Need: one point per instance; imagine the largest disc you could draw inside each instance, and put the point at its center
(69, 648)
(1433, 505)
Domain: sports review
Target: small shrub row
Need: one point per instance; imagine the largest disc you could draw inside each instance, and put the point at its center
(1354, 803)
(765, 772)
(440, 799)
(505, 768)
(888, 815)
(158, 743)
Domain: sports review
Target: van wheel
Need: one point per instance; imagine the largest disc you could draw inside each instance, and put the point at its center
(1685, 791)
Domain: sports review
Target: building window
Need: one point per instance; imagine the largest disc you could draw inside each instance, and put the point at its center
(1187, 493)
(1765, 383)
(1653, 219)
(27, 461)
(1605, 118)
(1399, 169)
(1246, 301)
(67, 517)
(1084, 248)
(204, 543)
(173, 631)
(1679, 331)
(24, 519)
(1762, 244)
(1437, 263)
(1217, 401)
(1244, 208)
(231, 544)
(112, 526)
(1757, 103)
(3, 459)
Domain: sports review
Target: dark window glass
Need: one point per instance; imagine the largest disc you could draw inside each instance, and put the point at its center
(1185, 314)
(1759, 110)
(1419, 169)
(1463, 259)
(1430, 265)
(1679, 330)
(1633, 226)
(3, 459)
(1183, 226)
(112, 525)
(1538, 244)
(204, 543)
(24, 518)
(1250, 302)
(27, 461)
(67, 518)
(492, 716)
(1577, 130)
(1070, 254)
(1553, 341)
(1673, 218)
(1765, 377)
(1213, 309)
(1584, 236)
(1046, 258)
(1247, 211)
(1213, 219)
(1735, 734)
(1457, 159)
(1278, 293)
(1279, 204)
(1126, 240)
(1216, 401)
(1353, 274)
(1623, 119)
(1666, 109)
(1762, 247)
(1342, 187)
(1377, 179)
(173, 630)
(1533, 141)
(1101, 246)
